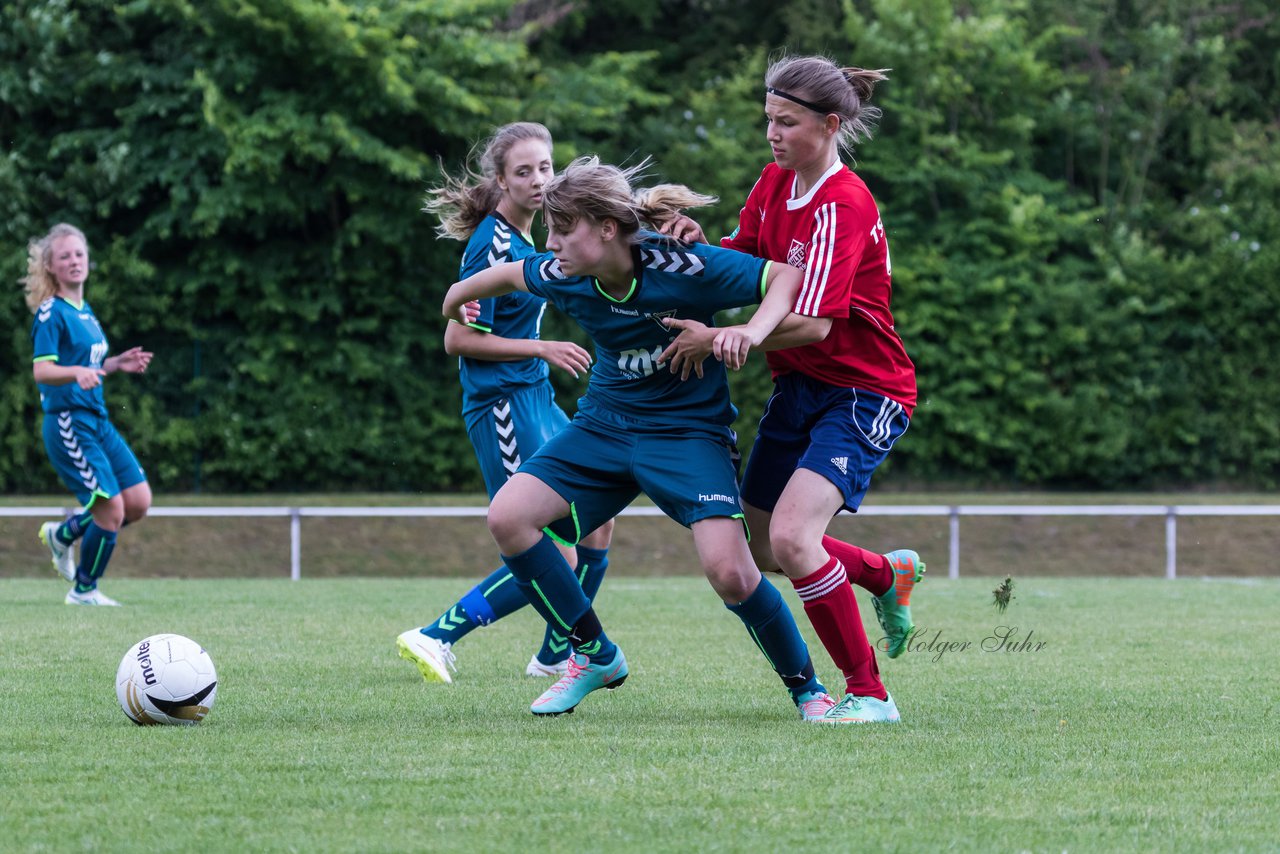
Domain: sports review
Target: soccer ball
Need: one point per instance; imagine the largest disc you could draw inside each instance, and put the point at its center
(166, 679)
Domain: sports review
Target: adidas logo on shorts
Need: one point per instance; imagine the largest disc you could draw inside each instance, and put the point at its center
(841, 463)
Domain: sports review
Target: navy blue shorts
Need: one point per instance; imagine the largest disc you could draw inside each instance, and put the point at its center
(842, 434)
(89, 455)
(600, 468)
(513, 429)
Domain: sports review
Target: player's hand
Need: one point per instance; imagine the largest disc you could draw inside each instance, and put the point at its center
(567, 356)
(471, 311)
(133, 360)
(732, 344)
(88, 378)
(691, 347)
(683, 227)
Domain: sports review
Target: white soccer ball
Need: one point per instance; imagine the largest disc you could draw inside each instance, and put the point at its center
(166, 679)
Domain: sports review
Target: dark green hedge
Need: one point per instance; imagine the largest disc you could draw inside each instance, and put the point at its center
(1081, 204)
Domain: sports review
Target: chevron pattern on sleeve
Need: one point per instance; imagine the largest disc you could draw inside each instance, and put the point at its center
(673, 261)
(550, 271)
(500, 247)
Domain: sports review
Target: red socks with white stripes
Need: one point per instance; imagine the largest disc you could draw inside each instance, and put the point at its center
(868, 570)
(832, 608)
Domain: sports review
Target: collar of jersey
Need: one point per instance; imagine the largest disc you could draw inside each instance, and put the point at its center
(796, 204)
(636, 265)
(528, 238)
(79, 307)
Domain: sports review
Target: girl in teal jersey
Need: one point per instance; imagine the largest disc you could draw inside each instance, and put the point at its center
(507, 399)
(638, 429)
(69, 363)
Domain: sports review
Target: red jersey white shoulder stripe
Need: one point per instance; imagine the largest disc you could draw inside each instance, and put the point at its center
(818, 268)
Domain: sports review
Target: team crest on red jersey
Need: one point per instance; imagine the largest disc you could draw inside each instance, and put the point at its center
(795, 255)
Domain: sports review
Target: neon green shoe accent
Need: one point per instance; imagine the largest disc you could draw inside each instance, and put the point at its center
(893, 608)
(60, 555)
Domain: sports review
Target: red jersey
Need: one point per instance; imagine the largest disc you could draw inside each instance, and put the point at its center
(834, 234)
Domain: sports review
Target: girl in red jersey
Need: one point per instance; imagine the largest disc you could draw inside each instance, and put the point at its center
(839, 404)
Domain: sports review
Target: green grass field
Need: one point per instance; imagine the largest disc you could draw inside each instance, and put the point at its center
(1146, 722)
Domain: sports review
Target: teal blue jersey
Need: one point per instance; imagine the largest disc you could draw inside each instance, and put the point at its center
(68, 336)
(517, 315)
(671, 280)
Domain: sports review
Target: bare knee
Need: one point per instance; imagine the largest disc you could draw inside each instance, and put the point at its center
(732, 581)
(137, 501)
(109, 515)
(512, 530)
(790, 550)
(600, 538)
(136, 512)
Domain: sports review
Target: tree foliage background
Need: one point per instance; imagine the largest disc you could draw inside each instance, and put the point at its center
(1081, 200)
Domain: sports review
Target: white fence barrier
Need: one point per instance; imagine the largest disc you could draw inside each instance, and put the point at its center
(953, 512)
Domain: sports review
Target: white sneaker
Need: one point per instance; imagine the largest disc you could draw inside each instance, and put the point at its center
(63, 558)
(433, 658)
(93, 597)
(537, 668)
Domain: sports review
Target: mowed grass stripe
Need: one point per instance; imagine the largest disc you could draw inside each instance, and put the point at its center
(1147, 721)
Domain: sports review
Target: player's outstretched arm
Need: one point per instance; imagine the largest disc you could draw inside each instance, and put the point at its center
(490, 282)
(468, 341)
(782, 287)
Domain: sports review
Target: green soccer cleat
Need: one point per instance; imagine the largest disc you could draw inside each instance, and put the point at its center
(814, 706)
(433, 658)
(583, 678)
(893, 607)
(863, 710)
(60, 555)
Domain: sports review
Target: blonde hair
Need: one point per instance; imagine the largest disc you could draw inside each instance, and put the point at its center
(597, 191)
(39, 284)
(463, 202)
(828, 88)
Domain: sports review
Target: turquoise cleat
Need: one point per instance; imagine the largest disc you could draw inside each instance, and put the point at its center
(863, 710)
(814, 706)
(893, 607)
(582, 678)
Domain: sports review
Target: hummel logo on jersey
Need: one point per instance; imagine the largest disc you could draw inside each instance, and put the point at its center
(841, 463)
(672, 261)
(549, 270)
(629, 312)
(795, 255)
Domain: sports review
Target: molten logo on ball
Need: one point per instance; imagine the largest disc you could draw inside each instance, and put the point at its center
(166, 679)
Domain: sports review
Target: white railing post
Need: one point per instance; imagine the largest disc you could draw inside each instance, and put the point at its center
(295, 543)
(953, 565)
(1171, 543)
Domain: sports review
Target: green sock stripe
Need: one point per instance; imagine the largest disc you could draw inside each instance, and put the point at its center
(590, 649)
(582, 576)
(497, 584)
(95, 571)
(543, 597)
(756, 638)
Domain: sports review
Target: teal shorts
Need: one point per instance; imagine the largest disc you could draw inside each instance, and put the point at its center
(89, 455)
(599, 468)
